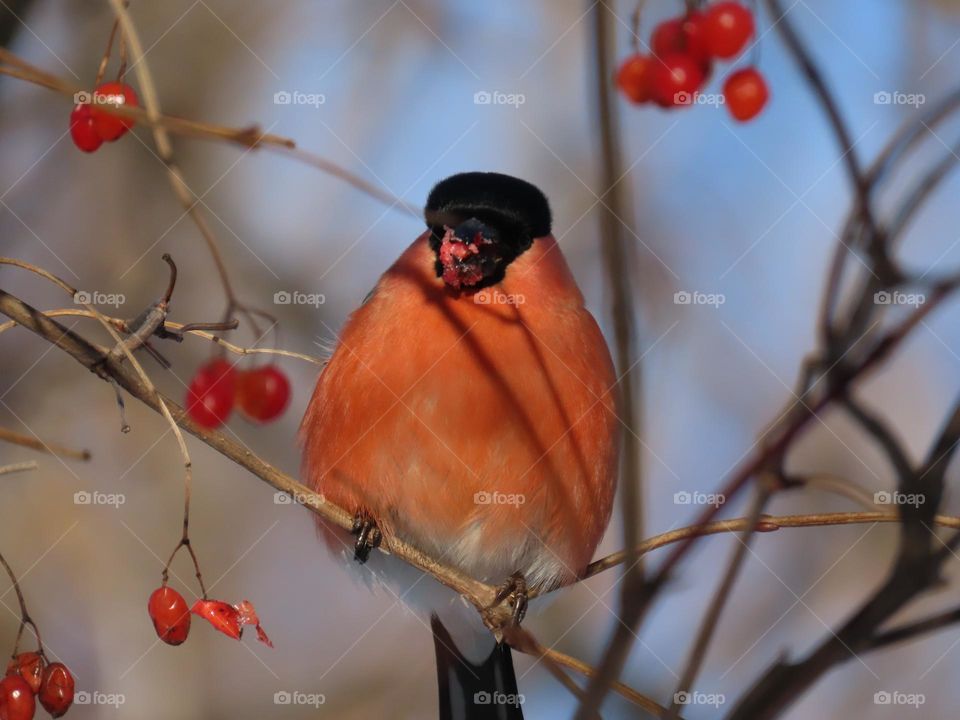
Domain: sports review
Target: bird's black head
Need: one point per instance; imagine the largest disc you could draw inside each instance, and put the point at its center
(481, 222)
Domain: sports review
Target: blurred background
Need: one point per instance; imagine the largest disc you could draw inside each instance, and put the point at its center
(750, 212)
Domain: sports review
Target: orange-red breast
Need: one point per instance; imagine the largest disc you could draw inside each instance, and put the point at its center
(468, 407)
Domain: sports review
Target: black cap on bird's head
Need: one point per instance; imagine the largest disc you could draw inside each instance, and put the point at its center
(481, 222)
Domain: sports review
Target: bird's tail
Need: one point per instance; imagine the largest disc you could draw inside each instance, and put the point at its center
(468, 691)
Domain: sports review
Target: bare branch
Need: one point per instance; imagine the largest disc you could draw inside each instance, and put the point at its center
(617, 259)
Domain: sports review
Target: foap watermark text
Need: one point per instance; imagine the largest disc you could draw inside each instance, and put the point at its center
(485, 497)
(296, 97)
(495, 97)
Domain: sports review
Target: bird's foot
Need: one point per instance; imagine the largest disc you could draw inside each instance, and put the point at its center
(514, 592)
(368, 536)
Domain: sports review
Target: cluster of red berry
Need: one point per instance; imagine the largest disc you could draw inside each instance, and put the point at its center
(261, 394)
(683, 51)
(29, 678)
(91, 125)
(171, 619)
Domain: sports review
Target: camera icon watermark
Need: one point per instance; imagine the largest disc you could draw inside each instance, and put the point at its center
(887, 697)
(685, 697)
(282, 697)
(297, 498)
(296, 97)
(114, 700)
(685, 297)
(484, 497)
(84, 97)
(698, 98)
(883, 497)
(698, 498)
(95, 297)
(496, 97)
(885, 297)
(495, 297)
(498, 698)
(886, 97)
(114, 500)
(295, 297)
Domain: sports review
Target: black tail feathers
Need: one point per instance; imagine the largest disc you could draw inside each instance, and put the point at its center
(487, 691)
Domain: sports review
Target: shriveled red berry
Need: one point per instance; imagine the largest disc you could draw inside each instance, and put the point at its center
(746, 94)
(676, 78)
(56, 691)
(263, 393)
(686, 34)
(247, 615)
(29, 666)
(210, 396)
(16, 699)
(111, 127)
(727, 28)
(82, 131)
(170, 615)
(633, 78)
(223, 616)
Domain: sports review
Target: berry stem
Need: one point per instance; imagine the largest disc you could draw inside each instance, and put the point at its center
(635, 26)
(24, 615)
(185, 542)
(105, 60)
(251, 314)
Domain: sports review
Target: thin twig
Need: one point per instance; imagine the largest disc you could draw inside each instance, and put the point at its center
(34, 443)
(883, 435)
(525, 642)
(18, 467)
(176, 328)
(190, 202)
(766, 523)
(819, 84)
(913, 630)
(708, 625)
(24, 614)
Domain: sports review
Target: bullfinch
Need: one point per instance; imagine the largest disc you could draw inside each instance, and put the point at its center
(468, 409)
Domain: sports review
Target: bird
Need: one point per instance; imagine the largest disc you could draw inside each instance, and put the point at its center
(469, 409)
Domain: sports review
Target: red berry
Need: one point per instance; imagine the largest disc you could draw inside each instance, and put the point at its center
(666, 37)
(82, 131)
(56, 692)
(170, 615)
(29, 666)
(16, 699)
(263, 393)
(746, 93)
(686, 35)
(676, 78)
(211, 393)
(727, 28)
(633, 78)
(110, 127)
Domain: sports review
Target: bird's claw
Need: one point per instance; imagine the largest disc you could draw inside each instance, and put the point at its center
(514, 590)
(368, 536)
